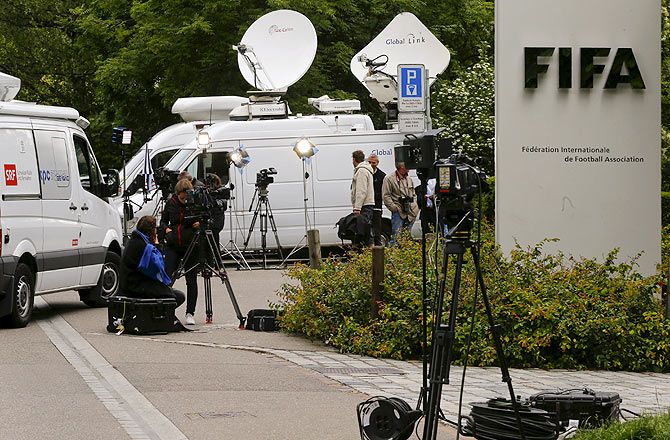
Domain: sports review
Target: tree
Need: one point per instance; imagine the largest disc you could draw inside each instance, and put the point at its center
(465, 108)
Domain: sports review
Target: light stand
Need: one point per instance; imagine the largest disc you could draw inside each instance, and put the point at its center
(122, 136)
(305, 149)
(303, 241)
(231, 249)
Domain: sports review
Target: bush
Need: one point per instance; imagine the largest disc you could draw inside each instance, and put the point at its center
(555, 311)
(646, 428)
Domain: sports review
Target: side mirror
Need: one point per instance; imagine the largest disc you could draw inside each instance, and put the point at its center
(112, 183)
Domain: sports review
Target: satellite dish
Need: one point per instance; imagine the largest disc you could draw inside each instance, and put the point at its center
(9, 87)
(404, 41)
(277, 50)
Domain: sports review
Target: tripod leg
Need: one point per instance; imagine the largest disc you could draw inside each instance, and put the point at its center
(264, 235)
(207, 278)
(274, 231)
(495, 331)
(219, 270)
(253, 223)
(442, 340)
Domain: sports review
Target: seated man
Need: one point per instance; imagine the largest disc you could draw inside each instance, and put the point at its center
(150, 280)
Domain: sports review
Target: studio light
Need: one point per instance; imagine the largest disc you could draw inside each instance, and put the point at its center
(239, 157)
(304, 148)
(204, 139)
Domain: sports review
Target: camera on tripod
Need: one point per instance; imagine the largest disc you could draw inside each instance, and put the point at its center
(166, 180)
(264, 177)
(202, 200)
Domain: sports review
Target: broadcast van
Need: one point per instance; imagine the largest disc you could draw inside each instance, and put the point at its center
(57, 229)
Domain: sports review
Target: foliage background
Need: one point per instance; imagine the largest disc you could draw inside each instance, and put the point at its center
(125, 62)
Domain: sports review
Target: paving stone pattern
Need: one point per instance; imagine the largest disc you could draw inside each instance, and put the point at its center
(641, 392)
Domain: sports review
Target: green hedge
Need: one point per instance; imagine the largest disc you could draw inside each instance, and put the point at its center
(646, 428)
(556, 312)
(665, 208)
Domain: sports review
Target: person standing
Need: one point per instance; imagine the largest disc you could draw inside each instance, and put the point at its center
(362, 196)
(398, 195)
(179, 231)
(377, 179)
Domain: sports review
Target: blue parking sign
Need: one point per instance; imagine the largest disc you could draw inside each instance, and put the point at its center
(411, 82)
(411, 88)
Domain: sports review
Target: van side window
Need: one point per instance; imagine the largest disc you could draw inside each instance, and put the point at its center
(162, 158)
(89, 174)
(54, 165)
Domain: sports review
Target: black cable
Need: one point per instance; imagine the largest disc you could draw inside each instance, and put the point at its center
(495, 420)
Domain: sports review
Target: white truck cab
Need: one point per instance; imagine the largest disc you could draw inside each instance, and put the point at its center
(57, 230)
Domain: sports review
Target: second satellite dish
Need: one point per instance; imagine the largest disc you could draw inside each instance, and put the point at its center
(277, 50)
(404, 41)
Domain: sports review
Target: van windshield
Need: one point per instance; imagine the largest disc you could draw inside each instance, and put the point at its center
(178, 160)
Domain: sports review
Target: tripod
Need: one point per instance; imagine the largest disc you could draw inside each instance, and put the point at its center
(210, 263)
(231, 249)
(443, 335)
(264, 211)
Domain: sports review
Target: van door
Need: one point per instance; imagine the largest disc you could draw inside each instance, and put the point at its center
(94, 213)
(59, 263)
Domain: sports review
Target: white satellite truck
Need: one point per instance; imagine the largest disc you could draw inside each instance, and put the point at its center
(57, 230)
(264, 129)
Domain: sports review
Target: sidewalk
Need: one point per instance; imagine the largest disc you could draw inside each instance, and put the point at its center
(640, 392)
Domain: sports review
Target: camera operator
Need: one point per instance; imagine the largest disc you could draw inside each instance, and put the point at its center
(179, 231)
(398, 195)
(151, 281)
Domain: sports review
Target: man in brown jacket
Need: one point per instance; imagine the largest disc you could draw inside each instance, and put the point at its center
(399, 198)
(362, 195)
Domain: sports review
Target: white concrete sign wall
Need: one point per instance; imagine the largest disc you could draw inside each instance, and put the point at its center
(578, 126)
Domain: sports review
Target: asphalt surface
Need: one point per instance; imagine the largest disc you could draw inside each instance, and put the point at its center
(64, 376)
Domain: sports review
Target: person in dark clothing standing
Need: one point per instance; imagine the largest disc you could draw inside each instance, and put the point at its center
(218, 209)
(134, 283)
(377, 179)
(179, 231)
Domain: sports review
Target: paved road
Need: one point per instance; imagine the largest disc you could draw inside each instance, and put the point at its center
(64, 377)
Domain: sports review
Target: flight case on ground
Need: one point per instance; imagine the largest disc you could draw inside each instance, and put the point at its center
(141, 316)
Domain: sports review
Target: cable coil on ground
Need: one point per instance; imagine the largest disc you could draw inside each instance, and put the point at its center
(386, 418)
(495, 420)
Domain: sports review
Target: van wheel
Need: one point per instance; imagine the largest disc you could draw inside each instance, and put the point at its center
(108, 284)
(23, 297)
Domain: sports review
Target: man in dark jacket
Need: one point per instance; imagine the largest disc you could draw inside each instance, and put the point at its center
(179, 231)
(377, 179)
(134, 283)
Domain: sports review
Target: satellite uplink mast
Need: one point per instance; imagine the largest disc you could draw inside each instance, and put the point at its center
(405, 40)
(263, 57)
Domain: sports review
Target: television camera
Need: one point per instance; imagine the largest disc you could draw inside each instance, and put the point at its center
(458, 177)
(264, 177)
(204, 201)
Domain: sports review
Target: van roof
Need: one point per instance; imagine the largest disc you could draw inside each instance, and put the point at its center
(21, 108)
(299, 126)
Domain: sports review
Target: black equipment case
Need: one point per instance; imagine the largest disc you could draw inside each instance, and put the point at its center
(591, 408)
(262, 320)
(141, 316)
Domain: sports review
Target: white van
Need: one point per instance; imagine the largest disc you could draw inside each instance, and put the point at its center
(196, 113)
(58, 231)
(270, 143)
